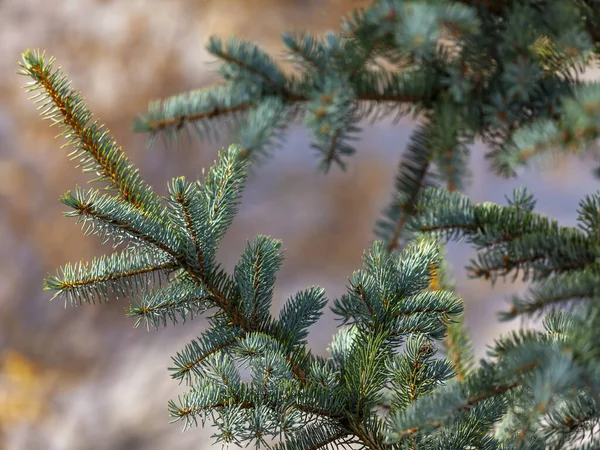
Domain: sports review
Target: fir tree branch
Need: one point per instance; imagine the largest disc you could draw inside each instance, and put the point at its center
(255, 276)
(263, 127)
(416, 365)
(425, 300)
(182, 297)
(459, 349)
(150, 312)
(318, 411)
(571, 286)
(416, 373)
(301, 311)
(330, 440)
(162, 118)
(578, 126)
(466, 405)
(304, 47)
(498, 7)
(184, 202)
(331, 116)
(523, 240)
(358, 290)
(199, 350)
(212, 208)
(122, 272)
(406, 207)
(368, 437)
(123, 177)
(314, 437)
(186, 212)
(426, 313)
(495, 80)
(98, 151)
(202, 399)
(248, 57)
(571, 422)
(108, 216)
(412, 176)
(155, 125)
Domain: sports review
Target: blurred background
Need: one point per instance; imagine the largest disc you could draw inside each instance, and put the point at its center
(84, 378)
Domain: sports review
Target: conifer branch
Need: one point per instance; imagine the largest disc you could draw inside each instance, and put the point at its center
(544, 138)
(305, 48)
(199, 350)
(107, 215)
(465, 405)
(542, 247)
(314, 437)
(148, 312)
(255, 276)
(366, 437)
(186, 209)
(301, 311)
(97, 151)
(182, 297)
(263, 127)
(248, 57)
(508, 76)
(330, 440)
(165, 114)
(179, 121)
(459, 349)
(319, 411)
(202, 398)
(569, 287)
(185, 206)
(122, 273)
(413, 175)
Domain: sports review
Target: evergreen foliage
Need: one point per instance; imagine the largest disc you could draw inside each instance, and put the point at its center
(401, 373)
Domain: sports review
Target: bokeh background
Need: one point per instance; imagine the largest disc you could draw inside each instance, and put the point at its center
(84, 378)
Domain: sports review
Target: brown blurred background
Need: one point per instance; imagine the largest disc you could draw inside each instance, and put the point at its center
(83, 378)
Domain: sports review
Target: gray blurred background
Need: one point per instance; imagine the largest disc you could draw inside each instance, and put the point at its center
(84, 378)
